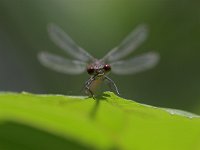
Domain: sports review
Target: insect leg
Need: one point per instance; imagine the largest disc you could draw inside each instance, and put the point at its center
(112, 83)
(87, 86)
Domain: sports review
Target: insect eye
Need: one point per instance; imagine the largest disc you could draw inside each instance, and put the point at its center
(90, 70)
(107, 67)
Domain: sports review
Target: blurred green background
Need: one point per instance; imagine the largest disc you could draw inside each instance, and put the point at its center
(98, 26)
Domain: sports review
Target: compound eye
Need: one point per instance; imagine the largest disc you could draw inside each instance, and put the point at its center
(107, 67)
(90, 70)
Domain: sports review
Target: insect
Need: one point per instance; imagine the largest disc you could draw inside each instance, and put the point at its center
(98, 69)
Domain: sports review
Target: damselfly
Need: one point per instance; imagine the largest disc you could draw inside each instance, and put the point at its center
(98, 69)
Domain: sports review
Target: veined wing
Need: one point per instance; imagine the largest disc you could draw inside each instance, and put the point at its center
(64, 41)
(136, 64)
(60, 64)
(128, 45)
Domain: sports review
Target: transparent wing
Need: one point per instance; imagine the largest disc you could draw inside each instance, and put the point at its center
(60, 64)
(136, 64)
(64, 41)
(128, 45)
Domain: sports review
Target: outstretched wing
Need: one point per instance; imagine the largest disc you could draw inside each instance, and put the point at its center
(64, 41)
(128, 45)
(60, 64)
(136, 64)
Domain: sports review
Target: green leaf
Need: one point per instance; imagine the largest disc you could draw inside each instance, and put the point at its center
(30, 121)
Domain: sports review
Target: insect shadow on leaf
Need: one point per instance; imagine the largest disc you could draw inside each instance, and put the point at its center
(96, 106)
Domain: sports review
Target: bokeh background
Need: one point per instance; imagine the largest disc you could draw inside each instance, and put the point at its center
(98, 26)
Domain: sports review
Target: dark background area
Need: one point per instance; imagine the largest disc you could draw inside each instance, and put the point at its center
(98, 26)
